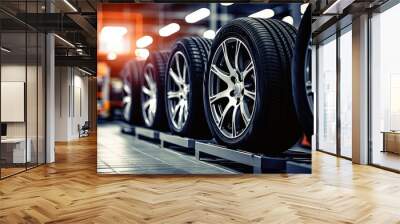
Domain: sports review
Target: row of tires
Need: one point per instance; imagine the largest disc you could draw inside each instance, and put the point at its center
(237, 88)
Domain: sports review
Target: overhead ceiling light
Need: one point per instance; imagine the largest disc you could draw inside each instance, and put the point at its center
(111, 56)
(338, 6)
(84, 71)
(169, 29)
(64, 40)
(266, 13)
(144, 41)
(226, 4)
(197, 15)
(113, 33)
(79, 51)
(5, 50)
(142, 53)
(288, 19)
(70, 5)
(209, 34)
(115, 39)
(303, 8)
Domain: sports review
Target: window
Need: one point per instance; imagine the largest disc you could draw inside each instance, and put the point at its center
(346, 92)
(327, 95)
(22, 88)
(385, 89)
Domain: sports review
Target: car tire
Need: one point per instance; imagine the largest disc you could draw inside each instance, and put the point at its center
(301, 76)
(152, 90)
(131, 74)
(184, 87)
(257, 85)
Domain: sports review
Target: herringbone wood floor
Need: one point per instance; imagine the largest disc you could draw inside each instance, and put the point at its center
(70, 191)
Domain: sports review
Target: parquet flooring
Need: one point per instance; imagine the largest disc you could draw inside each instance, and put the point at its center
(70, 191)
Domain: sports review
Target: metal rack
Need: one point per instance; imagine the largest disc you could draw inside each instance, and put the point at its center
(296, 160)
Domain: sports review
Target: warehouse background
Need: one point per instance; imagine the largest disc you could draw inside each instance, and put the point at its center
(129, 32)
(143, 23)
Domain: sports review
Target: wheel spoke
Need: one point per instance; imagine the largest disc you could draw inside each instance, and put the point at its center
(126, 99)
(175, 109)
(237, 49)
(146, 91)
(153, 105)
(149, 80)
(175, 77)
(172, 94)
(150, 114)
(234, 116)
(185, 109)
(224, 113)
(227, 62)
(178, 67)
(147, 104)
(250, 94)
(220, 95)
(309, 88)
(149, 74)
(245, 115)
(180, 116)
(184, 73)
(127, 89)
(221, 74)
(247, 70)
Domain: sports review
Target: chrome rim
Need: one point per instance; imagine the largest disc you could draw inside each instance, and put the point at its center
(232, 87)
(178, 90)
(149, 95)
(127, 100)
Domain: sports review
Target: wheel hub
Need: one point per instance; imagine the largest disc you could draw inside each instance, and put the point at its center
(238, 90)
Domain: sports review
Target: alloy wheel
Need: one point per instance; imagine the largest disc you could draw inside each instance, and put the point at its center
(127, 101)
(308, 77)
(232, 87)
(149, 95)
(178, 90)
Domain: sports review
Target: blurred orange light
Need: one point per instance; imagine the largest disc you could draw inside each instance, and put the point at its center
(142, 53)
(169, 29)
(144, 41)
(112, 39)
(111, 56)
(209, 34)
(197, 15)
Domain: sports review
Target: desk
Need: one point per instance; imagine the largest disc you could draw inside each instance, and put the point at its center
(17, 151)
(391, 141)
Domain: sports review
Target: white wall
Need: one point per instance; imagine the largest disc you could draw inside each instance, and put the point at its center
(33, 125)
(71, 102)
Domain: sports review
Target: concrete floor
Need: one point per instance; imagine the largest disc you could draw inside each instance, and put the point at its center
(119, 153)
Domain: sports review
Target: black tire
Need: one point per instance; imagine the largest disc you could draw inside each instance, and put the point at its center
(156, 62)
(301, 76)
(192, 55)
(131, 74)
(273, 126)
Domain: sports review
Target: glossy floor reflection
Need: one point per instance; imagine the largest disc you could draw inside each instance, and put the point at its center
(120, 153)
(386, 159)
